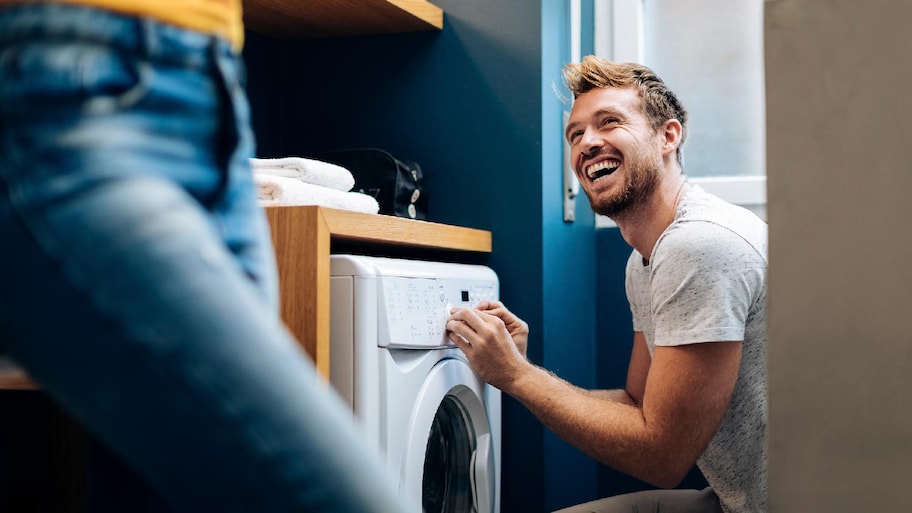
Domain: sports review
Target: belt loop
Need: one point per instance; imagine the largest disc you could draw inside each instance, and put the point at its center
(148, 40)
(212, 43)
(222, 65)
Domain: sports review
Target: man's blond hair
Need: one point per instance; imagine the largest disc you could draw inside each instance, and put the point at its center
(659, 103)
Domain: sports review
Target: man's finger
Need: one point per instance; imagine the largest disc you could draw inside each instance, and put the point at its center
(459, 341)
(460, 329)
(468, 316)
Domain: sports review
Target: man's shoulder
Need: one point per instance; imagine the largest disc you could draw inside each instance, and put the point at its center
(707, 224)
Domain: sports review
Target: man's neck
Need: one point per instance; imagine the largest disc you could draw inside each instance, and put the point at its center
(642, 226)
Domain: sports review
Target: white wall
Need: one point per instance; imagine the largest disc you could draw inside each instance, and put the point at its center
(839, 135)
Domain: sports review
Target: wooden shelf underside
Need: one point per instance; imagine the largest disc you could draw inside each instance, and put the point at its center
(340, 18)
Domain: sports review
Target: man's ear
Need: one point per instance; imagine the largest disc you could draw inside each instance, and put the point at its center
(671, 130)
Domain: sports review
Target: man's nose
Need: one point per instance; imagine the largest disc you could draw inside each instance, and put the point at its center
(590, 142)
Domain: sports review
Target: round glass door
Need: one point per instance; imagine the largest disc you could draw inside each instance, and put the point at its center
(450, 467)
(447, 483)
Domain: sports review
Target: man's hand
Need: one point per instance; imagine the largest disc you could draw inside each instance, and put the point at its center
(517, 328)
(487, 344)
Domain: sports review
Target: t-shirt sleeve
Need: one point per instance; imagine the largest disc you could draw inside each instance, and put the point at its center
(705, 278)
(636, 280)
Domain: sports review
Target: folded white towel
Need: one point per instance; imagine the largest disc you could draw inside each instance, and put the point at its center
(280, 190)
(307, 170)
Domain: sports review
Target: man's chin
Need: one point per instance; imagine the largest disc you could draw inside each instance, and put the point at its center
(609, 207)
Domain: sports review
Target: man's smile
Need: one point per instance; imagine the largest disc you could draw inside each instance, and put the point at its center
(601, 169)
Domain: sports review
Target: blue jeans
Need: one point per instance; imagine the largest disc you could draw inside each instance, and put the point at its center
(137, 280)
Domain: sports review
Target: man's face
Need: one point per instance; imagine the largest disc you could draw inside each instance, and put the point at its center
(614, 152)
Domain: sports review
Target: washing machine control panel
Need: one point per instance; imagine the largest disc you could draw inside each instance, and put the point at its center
(413, 311)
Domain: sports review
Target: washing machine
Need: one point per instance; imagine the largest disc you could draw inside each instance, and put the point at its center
(412, 392)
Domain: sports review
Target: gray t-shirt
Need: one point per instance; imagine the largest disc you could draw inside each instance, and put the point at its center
(706, 282)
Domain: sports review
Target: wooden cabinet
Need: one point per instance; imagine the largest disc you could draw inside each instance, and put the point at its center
(335, 18)
(302, 238)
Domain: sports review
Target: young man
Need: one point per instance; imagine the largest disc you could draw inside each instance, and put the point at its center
(696, 281)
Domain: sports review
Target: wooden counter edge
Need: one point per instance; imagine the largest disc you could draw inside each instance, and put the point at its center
(399, 231)
(14, 378)
(301, 240)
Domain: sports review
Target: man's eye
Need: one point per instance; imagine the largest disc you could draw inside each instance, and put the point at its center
(575, 136)
(609, 121)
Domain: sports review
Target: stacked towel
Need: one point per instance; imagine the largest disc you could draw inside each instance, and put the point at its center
(300, 181)
(280, 190)
(307, 170)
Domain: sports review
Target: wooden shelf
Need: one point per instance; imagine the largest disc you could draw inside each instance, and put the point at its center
(399, 231)
(302, 236)
(338, 18)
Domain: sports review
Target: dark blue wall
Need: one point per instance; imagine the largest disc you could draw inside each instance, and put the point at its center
(615, 338)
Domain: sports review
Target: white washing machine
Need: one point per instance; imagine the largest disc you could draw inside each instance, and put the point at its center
(413, 393)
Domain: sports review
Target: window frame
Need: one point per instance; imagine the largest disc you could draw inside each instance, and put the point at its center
(623, 42)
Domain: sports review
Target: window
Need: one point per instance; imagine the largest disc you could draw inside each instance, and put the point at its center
(710, 52)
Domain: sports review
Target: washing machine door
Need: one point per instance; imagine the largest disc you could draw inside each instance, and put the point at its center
(450, 460)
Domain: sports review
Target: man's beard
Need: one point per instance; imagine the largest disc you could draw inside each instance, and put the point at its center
(640, 181)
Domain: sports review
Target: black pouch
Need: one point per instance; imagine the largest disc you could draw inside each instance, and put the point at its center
(397, 184)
